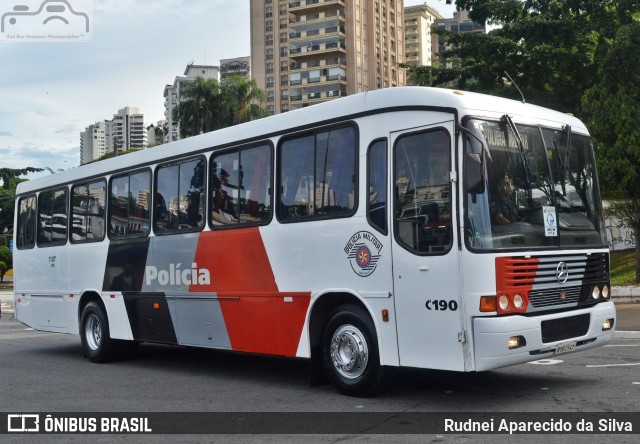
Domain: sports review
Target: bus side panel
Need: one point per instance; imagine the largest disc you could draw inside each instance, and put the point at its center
(42, 299)
(319, 255)
(86, 272)
(259, 318)
(123, 273)
(175, 272)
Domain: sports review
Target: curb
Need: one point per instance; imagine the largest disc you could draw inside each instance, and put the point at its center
(627, 335)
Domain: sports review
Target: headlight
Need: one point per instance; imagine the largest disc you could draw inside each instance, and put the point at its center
(504, 302)
(595, 294)
(518, 302)
(605, 292)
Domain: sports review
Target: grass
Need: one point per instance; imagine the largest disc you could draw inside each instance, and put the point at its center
(623, 267)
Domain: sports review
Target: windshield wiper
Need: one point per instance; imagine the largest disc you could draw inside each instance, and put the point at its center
(567, 153)
(523, 157)
(562, 167)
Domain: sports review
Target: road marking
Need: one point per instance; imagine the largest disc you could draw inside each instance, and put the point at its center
(612, 365)
(546, 362)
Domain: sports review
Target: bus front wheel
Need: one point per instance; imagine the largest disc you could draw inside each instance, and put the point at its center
(350, 353)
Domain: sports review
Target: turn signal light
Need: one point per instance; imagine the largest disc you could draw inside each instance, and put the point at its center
(488, 304)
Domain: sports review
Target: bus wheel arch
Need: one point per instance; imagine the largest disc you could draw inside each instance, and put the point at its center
(341, 328)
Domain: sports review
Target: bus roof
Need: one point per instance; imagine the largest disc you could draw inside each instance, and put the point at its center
(466, 103)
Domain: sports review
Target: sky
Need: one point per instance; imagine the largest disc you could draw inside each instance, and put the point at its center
(52, 88)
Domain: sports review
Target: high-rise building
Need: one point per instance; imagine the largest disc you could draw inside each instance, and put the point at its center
(172, 95)
(126, 131)
(93, 142)
(305, 52)
(458, 24)
(418, 22)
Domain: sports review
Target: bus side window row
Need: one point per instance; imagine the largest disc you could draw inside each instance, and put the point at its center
(316, 180)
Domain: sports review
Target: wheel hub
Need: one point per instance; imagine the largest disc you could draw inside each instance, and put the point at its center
(349, 351)
(93, 332)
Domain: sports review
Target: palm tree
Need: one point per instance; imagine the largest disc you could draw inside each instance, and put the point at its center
(199, 109)
(206, 105)
(243, 100)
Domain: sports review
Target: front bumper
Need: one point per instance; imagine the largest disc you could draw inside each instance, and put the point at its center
(491, 335)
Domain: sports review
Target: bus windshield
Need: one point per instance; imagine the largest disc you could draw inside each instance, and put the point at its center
(539, 188)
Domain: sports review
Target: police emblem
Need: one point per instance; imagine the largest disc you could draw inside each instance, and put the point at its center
(363, 252)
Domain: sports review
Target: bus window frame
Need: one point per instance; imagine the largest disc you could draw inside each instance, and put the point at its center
(152, 210)
(386, 184)
(65, 189)
(452, 191)
(129, 173)
(35, 223)
(356, 172)
(237, 149)
(106, 205)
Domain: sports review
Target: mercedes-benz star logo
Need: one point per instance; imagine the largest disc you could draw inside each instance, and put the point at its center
(562, 272)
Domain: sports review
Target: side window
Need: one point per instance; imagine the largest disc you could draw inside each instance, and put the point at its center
(88, 212)
(179, 199)
(422, 201)
(377, 185)
(241, 187)
(26, 233)
(52, 218)
(317, 175)
(129, 205)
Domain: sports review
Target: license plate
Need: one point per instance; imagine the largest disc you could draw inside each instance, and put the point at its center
(566, 347)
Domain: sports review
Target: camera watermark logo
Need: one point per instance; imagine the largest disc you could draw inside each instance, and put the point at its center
(46, 21)
(23, 423)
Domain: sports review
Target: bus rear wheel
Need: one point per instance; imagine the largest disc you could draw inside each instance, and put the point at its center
(350, 354)
(96, 340)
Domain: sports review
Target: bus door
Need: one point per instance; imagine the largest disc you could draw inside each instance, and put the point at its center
(426, 272)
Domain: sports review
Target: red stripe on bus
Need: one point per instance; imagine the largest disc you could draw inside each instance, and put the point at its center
(258, 317)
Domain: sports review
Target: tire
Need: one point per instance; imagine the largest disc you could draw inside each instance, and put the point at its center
(97, 344)
(351, 360)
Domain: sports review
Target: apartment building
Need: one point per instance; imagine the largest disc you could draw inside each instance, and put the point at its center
(418, 23)
(309, 51)
(459, 23)
(172, 95)
(93, 142)
(126, 131)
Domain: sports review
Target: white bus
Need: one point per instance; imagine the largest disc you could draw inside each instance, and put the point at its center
(404, 227)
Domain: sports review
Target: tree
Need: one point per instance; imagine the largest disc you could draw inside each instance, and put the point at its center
(6, 261)
(206, 105)
(10, 180)
(243, 100)
(199, 108)
(612, 107)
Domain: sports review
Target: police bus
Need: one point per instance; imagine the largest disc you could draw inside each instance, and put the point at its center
(404, 227)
